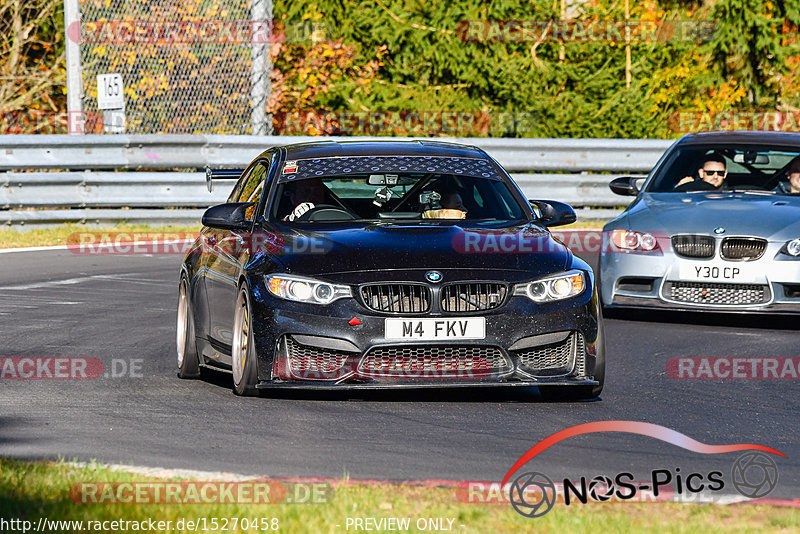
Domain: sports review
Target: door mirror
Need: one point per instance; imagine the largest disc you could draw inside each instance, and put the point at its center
(625, 186)
(553, 213)
(229, 216)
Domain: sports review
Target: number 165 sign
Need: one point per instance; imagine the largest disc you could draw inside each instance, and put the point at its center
(109, 91)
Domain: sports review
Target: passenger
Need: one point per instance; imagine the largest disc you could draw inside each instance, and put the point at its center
(790, 186)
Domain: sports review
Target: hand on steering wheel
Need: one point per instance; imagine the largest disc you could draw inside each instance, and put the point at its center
(326, 212)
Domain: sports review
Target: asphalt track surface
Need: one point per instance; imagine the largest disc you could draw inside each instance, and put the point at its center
(56, 303)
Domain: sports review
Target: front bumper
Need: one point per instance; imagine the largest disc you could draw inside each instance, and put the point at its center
(525, 344)
(394, 385)
(636, 280)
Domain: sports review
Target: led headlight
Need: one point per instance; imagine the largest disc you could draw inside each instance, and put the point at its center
(305, 289)
(557, 287)
(630, 240)
(792, 248)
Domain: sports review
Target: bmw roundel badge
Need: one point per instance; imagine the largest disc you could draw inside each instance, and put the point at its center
(719, 230)
(433, 276)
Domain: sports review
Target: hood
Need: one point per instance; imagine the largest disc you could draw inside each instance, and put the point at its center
(773, 217)
(396, 246)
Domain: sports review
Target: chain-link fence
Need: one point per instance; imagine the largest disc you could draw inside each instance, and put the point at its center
(188, 66)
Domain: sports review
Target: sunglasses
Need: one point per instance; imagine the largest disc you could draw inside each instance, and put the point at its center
(712, 173)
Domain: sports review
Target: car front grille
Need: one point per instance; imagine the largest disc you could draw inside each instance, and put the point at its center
(434, 362)
(693, 246)
(559, 358)
(717, 294)
(472, 297)
(743, 248)
(397, 298)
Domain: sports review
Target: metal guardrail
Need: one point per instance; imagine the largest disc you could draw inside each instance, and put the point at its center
(97, 195)
(184, 190)
(196, 151)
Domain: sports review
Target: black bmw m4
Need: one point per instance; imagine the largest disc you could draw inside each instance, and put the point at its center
(390, 264)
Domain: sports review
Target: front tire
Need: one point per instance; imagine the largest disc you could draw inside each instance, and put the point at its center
(243, 354)
(186, 347)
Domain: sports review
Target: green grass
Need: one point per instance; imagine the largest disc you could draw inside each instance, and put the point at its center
(60, 235)
(31, 490)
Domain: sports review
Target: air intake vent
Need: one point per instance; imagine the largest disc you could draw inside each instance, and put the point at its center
(434, 362)
(717, 294)
(552, 359)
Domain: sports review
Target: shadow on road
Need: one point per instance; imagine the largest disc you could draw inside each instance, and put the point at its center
(439, 394)
(10, 433)
(733, 320)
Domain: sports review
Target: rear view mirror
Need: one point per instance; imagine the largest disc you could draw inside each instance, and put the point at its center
(751, 156)
(229, 216)
(390, 180)
(553, 213)
(382, 179)
(625, 186)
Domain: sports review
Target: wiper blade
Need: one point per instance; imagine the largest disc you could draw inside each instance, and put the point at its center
(752, 191)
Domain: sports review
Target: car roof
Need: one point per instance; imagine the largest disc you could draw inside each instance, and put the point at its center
(329, 149)
(742, 137)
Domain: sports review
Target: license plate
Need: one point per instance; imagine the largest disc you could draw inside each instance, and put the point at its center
(715, 272)
(435, 329)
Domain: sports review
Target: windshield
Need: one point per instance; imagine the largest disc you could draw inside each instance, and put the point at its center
(397, 195)
(722, 168)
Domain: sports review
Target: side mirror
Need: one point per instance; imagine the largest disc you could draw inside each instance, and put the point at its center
(554, 213)
(625, 186)
(228, 216)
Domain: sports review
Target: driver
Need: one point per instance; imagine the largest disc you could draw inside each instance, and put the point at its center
(452, 207)
(305, 195)
(712, 172)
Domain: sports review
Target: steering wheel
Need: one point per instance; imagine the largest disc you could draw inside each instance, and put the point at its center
(697, 185)
(327, 212)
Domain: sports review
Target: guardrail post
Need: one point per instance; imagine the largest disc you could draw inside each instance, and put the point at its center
(72, 34)
(261, 31)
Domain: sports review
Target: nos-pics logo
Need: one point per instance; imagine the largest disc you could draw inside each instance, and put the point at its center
(533, 494)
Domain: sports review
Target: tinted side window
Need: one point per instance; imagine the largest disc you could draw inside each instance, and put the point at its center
(236, 190)
(252, 187)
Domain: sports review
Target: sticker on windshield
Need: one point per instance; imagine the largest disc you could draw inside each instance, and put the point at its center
(290, 167)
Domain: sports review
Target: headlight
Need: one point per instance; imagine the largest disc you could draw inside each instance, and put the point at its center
(792, 248)
(552, 288)
(630, 240)
(305, 289)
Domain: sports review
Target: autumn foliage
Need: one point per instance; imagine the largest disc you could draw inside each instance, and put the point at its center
(369, 56)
